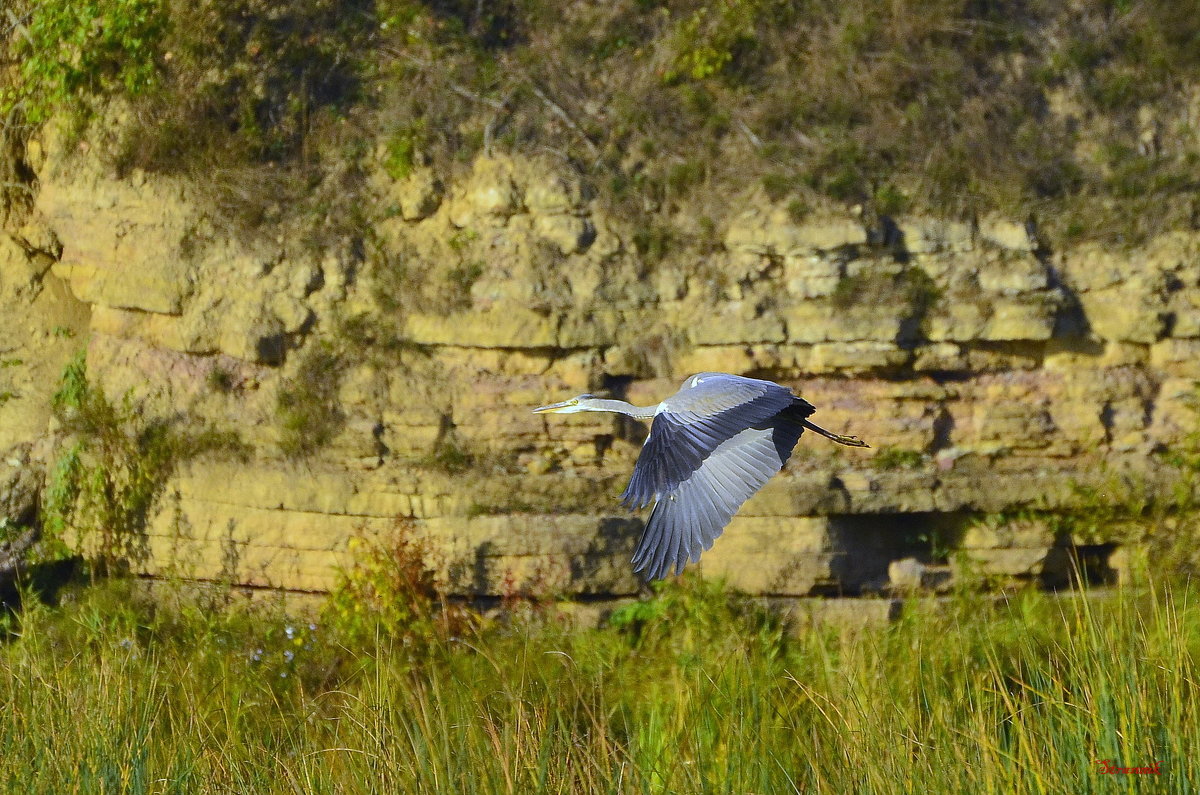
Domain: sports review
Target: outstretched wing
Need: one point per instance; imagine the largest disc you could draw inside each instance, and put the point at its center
(689, 518)
(708, 410)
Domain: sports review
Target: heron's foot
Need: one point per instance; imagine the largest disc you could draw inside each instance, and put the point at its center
(849, 441)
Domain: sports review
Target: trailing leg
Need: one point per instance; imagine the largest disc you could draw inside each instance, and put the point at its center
(849, 441)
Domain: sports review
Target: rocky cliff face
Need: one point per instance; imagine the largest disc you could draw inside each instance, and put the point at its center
(391, 375)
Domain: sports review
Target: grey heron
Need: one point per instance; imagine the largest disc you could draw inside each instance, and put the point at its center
(712, 445)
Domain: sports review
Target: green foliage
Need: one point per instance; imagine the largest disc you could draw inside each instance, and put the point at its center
(1130, 175)
(797, 210)
(8, 530)
(306, 407)
(654, 241)
(106, 480)
(890, 200)
(909, 286)
(844, 171)
(402, 148)
(709, 41)
(58, 501)
(690, 610)
(891, 458)
(778, 186)
(681, 177)
(388, 592)
(71, 53)
(247, 82)
(449, 456)
(461, 239)
(104, 484)
(74, 393)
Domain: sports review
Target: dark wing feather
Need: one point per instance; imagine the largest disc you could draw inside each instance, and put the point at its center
(687, 520)
(694, 422)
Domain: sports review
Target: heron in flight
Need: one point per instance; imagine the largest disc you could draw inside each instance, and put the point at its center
(712, 445)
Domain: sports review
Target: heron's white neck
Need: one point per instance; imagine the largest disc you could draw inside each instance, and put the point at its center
(618, 407)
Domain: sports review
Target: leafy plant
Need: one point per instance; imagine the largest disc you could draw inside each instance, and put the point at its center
(72, 52)
(709, 41)
(306, 406)
(105, 483)
(388, 591)
(402, 148)
(689, 611)
(654, 241)
(892, 458)
(450, 456)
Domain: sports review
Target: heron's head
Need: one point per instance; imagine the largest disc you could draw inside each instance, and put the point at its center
(572, 406)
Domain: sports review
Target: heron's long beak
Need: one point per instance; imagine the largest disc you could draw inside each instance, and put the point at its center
(553, 407)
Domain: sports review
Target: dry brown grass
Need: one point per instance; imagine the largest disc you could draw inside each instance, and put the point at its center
(1076, 115)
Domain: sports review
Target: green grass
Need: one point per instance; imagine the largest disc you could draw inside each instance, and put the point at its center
(693, 691)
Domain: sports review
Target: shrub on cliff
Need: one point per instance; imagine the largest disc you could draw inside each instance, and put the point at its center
(111, 469)
(71, 53)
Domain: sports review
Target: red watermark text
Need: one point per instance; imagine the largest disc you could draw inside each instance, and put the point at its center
(1106, 766)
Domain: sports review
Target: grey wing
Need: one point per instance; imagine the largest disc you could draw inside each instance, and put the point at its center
(695, 422)
(686, 521)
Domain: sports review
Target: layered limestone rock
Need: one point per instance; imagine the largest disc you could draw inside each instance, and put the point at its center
(987, 373)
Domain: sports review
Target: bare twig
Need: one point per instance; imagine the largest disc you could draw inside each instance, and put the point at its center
(9, 124)
(501, 105)
(18, 24)
(462, 91)
(18, 186)
(562, 114)
(471, 95)
(556, 152)
(398, 53)
(489, 129)
(754, 140)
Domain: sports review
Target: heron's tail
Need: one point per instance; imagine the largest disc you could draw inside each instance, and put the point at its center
(849, 441)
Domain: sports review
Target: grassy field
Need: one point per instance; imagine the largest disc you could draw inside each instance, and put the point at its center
(693, 691)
